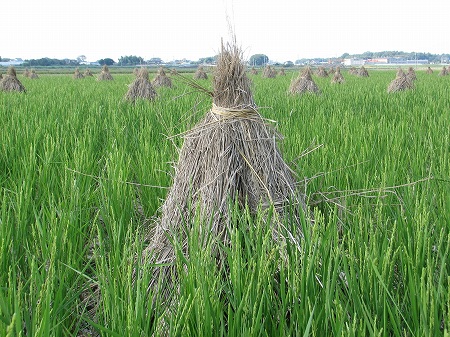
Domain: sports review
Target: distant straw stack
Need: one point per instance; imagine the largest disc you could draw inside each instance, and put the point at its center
(400, 83)
(353, 71)
(282, 72)
(269, 72)
(362, 72)
(337, 76)
(443, 72)
(161, 79)
(33, 74)
(321, 72)
(105, 75)
(141, 87)
(411, 75)
(77, 75)
(429, 71)
(254, 71)
(304, 83)
(173, 72)
(88, 73)
(10, 82)
(26, 72)
(200, 74)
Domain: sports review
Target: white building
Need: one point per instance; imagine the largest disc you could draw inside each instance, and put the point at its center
(354, 62)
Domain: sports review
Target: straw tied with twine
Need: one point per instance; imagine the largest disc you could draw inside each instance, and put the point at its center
(234, 112)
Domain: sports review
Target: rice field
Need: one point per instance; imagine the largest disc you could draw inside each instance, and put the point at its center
(83, 172)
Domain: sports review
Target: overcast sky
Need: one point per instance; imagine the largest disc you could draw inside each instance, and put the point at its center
(173, 29)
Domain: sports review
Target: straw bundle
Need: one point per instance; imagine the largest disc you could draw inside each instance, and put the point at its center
(88, 73)
(10, 82)
(254, 71)
(400, 83)
(269, 72)
(161, 79)
(33, 74)
(141, 87)
(362, 72)
(105, 75)
(200, 74)
(411, 75)
(173, 72)
(353, 71)
(230, 155)
(77, 74)
(1, 76)
(26, 72)
(337, 76)
(443, 72)
(304, 83)
(282, 72)
(321, 72)
(136, 71)
(429, 70)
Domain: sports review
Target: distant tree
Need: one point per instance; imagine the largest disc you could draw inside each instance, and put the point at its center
(81, 58)
(258, 60)
(207, 60)
(345, 56)
(130, 60)
(107, 61)
(48, 62)
(288, 64)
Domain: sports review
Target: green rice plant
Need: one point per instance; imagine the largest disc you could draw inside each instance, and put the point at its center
(82, 173)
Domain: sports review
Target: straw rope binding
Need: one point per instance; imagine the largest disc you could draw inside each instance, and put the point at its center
(233, 112)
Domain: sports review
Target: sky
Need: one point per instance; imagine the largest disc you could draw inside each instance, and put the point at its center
(175, 29)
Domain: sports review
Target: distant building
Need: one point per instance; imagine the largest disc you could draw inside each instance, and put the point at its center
(354, 62)
(383, 60)
(401, 60)
(13, 62)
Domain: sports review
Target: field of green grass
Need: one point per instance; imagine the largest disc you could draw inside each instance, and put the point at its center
(82, 171)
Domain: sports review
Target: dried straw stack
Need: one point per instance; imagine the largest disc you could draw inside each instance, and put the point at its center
(230, 155)
(337, 77)
(10, 82)
(33, 75)
(269, 72)
(173, 72)
(400, 83)
(429, 70)
(200, 74)
(77, 75)
(353, 71)
(105, 75)
(322, 72)
(88, 73)
(411, 75)
(443, 72)
(26, 72)
(362, 72)
(304, 83)
(161, 79)
(141, 87)
(282, 72)
(254, 71)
